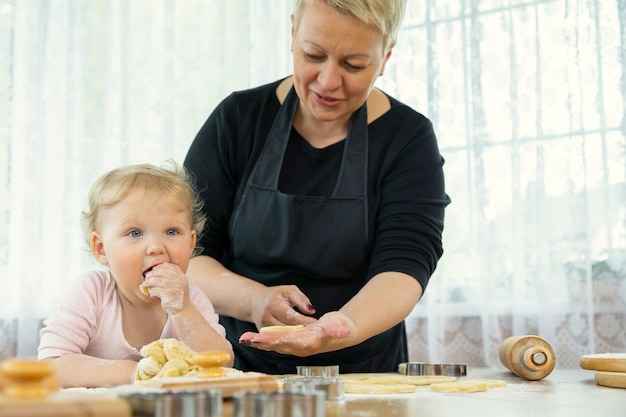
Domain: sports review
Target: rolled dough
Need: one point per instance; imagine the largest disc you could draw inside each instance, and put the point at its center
(268, 329)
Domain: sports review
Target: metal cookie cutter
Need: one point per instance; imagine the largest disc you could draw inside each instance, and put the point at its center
(332, 386)
(318, 371)
(175, 403)
(274, 404)
(421, 368)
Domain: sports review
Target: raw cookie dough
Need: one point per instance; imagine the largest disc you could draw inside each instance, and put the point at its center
(491, 383)
(459, 386)
(468, 385)
(416, 380)
(165, 358)
(268, 329)
(389, 384)
(365, 388)
(144, 290)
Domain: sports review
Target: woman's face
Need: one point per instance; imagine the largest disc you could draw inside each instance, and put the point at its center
(337, 59)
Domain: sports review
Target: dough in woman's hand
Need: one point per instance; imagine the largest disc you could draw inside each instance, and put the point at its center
(268, 329)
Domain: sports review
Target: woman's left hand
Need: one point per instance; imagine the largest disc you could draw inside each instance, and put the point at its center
(327, 334)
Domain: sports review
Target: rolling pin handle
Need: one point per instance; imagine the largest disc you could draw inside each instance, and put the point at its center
(538, 358)
(528, 356)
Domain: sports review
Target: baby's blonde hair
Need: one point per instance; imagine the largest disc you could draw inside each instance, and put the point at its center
(115, 185)
(386, 15)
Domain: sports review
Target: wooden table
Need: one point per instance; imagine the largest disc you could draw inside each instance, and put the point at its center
(567, 393)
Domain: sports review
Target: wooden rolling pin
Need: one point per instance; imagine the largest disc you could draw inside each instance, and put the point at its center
(528, 356)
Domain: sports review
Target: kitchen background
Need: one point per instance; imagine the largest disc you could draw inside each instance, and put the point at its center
(527, 97)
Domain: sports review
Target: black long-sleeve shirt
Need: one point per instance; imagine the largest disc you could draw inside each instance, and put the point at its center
(406, 195)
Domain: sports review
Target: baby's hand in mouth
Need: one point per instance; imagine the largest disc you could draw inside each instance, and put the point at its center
(145, 290)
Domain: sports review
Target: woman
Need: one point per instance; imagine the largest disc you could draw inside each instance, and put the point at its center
(326, 199)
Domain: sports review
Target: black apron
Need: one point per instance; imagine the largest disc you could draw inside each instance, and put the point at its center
(318, 243)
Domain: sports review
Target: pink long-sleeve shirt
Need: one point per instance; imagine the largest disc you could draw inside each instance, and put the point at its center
(89, 321)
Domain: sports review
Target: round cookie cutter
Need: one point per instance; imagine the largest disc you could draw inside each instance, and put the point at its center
(280, 403)
(422, 368)
(330, 371)
(332, 386)
(206, 403)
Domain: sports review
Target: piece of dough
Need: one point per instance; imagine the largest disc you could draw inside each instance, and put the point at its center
(610, 362)
(174, 367)
(468, 385)
(491, 383)
(144, 290)
(389, 384)
(415, 380)
(154, 350)
(170, 358)
(147, 368)
(175, 349)
(460, 386)
(293, 328)
(165, 358)
(365, 388)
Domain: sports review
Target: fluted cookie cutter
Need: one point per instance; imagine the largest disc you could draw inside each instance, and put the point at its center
(422, 368)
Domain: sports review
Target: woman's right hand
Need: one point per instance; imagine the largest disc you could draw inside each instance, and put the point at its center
(281, 305)
(240, 297)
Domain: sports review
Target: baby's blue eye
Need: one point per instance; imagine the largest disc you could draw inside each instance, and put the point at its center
(134, 233)
(172, 232)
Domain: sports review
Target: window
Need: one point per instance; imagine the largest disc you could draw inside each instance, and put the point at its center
(527, 98)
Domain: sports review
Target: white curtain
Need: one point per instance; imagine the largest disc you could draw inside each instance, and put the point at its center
(527, 97)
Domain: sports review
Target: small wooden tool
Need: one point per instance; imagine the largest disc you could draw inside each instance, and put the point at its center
(210, 363)
(28, 378)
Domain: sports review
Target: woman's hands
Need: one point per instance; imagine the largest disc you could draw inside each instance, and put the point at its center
(233, 295)
(327, 334)
(394, 293)
(281, 305)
